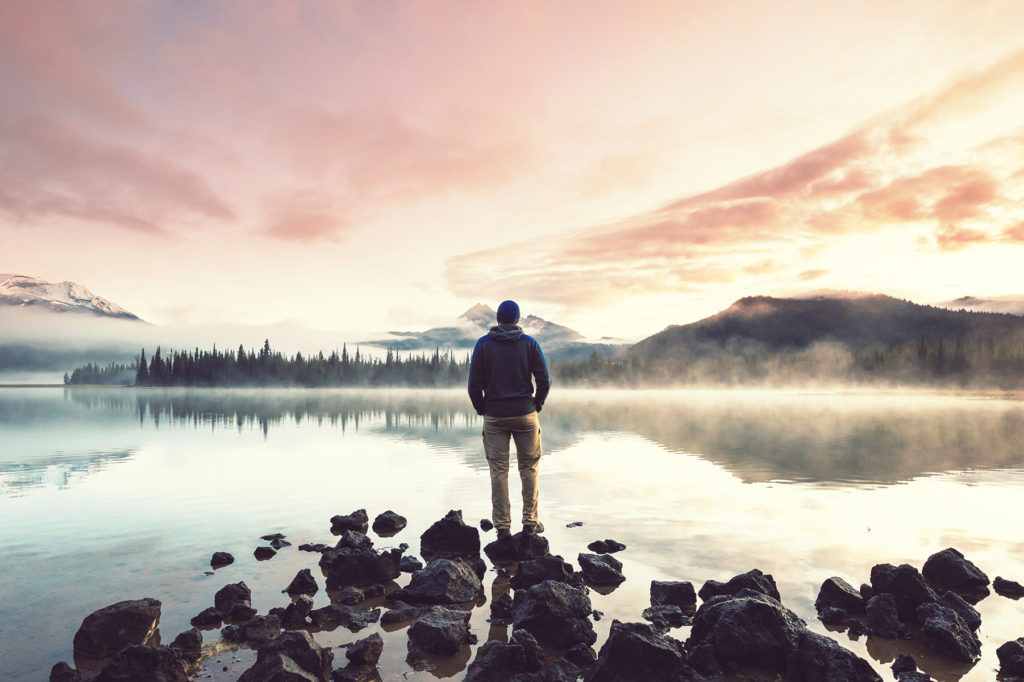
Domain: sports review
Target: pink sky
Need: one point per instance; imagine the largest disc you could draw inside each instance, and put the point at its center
(614, 166)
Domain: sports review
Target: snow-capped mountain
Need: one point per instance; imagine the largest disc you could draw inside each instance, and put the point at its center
(61, 297)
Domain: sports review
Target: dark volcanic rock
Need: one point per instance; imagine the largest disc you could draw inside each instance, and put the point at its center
(350, 596)
(904, 663)
(232, 594)
(838, 593)
(221, 559)
(442, 581)
(501, 610)
(62, 672)
(753, 579)
(293, 616)
(449, 538)
(832, 615)
(292, 656)
(108, 630)
(350, 566)
(906, 584)
(606, 546)
(601, 569)
(551, 567)
(189, 644)
(409, 564)
(366, 651)
(264, 553)
(946, 632)
(1008, 588)
(260, 629)
(672, 593)
(355, 619)
(138, 662)
(302, 583)
(440, 630)
(399, 611)
(966, 611)
(581, 655)
(883, 620)
(560, 670)
(666, 616)
(520, 547)
(499, 662)
(356, 673)
(817, 658)
(556, 614)
(950, 569)
(313, 547)
(1011, 657)
(326, 617)
(637, 652)
(280, 543)
(486, 525)
(357, 521)
(207, 618)
(352, 538)
(389, 523)
(241, 612)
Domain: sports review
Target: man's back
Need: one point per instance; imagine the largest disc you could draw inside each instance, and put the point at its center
(505, 364)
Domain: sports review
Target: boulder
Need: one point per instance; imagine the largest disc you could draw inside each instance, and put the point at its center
(326, 617)
(970, 614)
(838, 593)
(138, 662)
(108, 630)
(817, 658)
(1008, 588)
(1011, 657)
(672, 593)
(241, 612)
(259, 630)
(389, 523)
(294, 616)
(560, 670)
(355, 619)
(883, 620)
(356, 673)
(442, 581)
(904, 663)
(833, 615)
(270, 537)
(232, 594)
(317, 547)
(555, 613)
(440, 630)
(357, 521)
(449, 538)
(666, 616)
(519, 547)
(551, 567)
(601, 569)
(906, 584)
(350, 596)
(366, 651)
(947, 633)
(189, 645)
(399, 612)
(264, 553)
(293, 656)
(637, 652)
(62, 672)
(501, 610)
(581, 655)
(486, 525)
(409, 564)
(280, 543)
(606, 546)
(302, 583)
(207, 619)
(753, 579)
(352, 566)
(221, 559)
(352, 538)
(496, 661)
(950, 569)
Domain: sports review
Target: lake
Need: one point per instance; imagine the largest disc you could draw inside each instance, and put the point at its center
(120, 493)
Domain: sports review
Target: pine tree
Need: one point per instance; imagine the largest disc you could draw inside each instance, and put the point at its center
(142, 373)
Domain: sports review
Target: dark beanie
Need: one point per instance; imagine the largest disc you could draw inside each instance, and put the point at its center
(508, 312)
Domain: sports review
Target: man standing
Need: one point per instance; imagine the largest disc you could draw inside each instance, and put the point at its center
(502, 372)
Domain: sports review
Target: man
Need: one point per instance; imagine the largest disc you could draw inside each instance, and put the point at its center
(502, 372)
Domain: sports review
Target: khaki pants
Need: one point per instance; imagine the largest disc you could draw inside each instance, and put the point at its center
(525, 430)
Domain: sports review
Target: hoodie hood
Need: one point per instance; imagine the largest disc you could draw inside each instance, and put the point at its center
(506, 333)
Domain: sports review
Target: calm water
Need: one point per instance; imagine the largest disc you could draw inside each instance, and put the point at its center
(111, 494)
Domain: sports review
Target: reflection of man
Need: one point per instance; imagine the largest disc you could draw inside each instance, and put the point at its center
(502, 372)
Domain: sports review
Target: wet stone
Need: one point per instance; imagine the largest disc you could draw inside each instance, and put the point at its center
(207, 618)
(601, 569)
(1011, 657)
(280, 543)
(753, 579)
(409, 564)
(836, 592)
(357, 521)
(950, 569)
(264, 553)
(449, 538)
(138, 662)
(352, 538)
(302, 583)
(241, 612)
(666, 616)
(188, 644)
(672, 593)
(389, 523)
(106, 631)
(440, 630)
(833, 615)
(883, 620)
(1008, 588)
(486, 525)
(398, 613)
(606, 546)
(62, 672)
(221, 559)
(366, 651)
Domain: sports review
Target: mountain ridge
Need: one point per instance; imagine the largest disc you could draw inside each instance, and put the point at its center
(59, 297)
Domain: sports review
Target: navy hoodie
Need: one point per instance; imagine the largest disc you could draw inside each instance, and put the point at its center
(500, 373)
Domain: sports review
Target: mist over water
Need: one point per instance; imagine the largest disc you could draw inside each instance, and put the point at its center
(110, 494)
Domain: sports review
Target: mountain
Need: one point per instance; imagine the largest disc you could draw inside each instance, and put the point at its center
(1014, 305)
(60, 297)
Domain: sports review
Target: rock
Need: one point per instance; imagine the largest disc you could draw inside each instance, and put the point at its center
(232, 594)
(62, 672)
(753, 579)
(366, 651)
(389, 523)
(533, 571)
(440, 630)
(138, 662)
(221, 559)
(666, 616)
(904, 663)
(293, 616)
(501, 610)
(356, 567)
(883, 620)
(108, 630)
(326, 617)
(866, 592)
(637, 652)
(597, 615)
(189, 645)
(950, 569)
(409, 564)
(560, 670)
(449, 538)
(280, 543)
(555, 613)
(914, 677)
(906, 584)
(520, 547)
(231, 633)
(817, 657)
(838, 593)
(672, 593)
(833, 615)
(302, 583)
(574, 524)
(486, 525)
(270, 537)
(374, 591)
(207, 619)
(313, 547)
(356, 673)
(479, 567)
(605, 546)
(601, 569)
(1008, 588)
(357, 521)
(581, 655)
(499, 662)
(399, 612)
(749, 628)
(964, 610)
(264, 553)
(1011, 657)
(259, 630)
(947, 633)
(292, 656)
(241, 612)
(350, 596)
(855, 629)
(352, 538)
(355, 619)
(442, 581)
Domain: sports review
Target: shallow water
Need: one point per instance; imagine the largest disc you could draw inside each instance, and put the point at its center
(111, 494)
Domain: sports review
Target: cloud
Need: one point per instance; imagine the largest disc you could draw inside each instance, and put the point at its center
(306, 217)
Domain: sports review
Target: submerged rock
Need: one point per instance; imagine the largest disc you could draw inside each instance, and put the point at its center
(189, 644)
(606, 546)
(1011, 657)
(139, 662)
(207, 618)
(601, 569)
(258, 630)
(449, 538)
(302, 583)
(352, 538)
(232, 594)
(836, 592)
(108, 630)
(351, 566)
(555, 613)
(326, 617)
(399, 612)
(950, 569)
(753, 579)
(906, 584)
(496, 661)
(1008, 588)
(440, 630)
(947, 633)
(817, 658)
(443, 581)
(883, 620)
(409, 564)
(221, 559)
(358, 521)
(550, 567)
(366, 651)
(672, 593)
(264, 553)
(637, 652)
(280, 543)
(666, 616)
(293, 655)
(355, 619)
(389, 523)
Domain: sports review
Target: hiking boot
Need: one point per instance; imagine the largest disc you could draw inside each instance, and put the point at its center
(531, 529)
(504, 534)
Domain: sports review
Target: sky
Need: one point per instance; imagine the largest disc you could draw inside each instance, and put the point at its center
(613, 166)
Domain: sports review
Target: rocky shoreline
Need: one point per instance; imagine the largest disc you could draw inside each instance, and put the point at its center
(740, 630)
